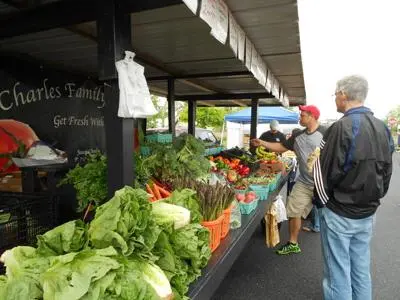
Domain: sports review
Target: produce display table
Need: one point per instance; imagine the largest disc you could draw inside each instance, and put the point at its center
(230, 248)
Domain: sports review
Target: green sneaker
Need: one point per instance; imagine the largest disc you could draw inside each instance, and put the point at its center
(288, 248)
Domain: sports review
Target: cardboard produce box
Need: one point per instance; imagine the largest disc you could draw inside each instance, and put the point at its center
(11, 182)
(275, 167)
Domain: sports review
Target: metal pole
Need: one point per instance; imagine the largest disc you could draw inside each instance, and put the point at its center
(222, 134)
(171, 105)
(254, 119)
(192, 117)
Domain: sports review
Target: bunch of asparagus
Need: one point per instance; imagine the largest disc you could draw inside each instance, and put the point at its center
(213, 199)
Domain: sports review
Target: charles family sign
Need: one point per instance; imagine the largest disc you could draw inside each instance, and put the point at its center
(19, 96)
(64, 110)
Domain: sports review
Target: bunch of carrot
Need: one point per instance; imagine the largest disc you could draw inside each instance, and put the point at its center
(157, 191)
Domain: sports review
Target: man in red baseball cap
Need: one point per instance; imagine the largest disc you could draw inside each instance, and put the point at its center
(312, 109)
(303, 143)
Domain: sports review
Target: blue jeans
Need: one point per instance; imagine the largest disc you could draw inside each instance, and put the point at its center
(346, 255)
(315, 219)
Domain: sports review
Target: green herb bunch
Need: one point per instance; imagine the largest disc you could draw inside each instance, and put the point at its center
(183, 158)
(89, 181)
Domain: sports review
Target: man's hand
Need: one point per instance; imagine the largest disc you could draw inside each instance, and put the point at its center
(256, 142)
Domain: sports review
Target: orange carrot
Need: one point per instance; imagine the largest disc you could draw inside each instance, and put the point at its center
(149, 190)
(164, 192)
(157, 194)
(89, 207)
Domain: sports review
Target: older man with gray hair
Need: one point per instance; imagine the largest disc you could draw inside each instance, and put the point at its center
(351, 175)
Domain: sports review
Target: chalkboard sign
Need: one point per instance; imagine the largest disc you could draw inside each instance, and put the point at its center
(65, 110)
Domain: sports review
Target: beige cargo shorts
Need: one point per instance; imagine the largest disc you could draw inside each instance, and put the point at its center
(299, 203)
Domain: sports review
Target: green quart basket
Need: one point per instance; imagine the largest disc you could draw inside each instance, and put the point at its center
(278, 177)
(275, 182)
(159, 138)
(262, 191)
(237, 191)
(213, 151)
(248, 208)
(145, 151)
(272, 186)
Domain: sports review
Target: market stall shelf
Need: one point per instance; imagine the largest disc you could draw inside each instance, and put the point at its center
(230, 248)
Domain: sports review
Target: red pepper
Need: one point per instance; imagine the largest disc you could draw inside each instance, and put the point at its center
(244, 170)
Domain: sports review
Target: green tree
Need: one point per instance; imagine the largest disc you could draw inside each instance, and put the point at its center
(161, 116)
(208, 116)
(394, 113)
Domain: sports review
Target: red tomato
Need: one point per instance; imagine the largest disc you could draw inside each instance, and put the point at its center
(248, 200)
(240, 197)
(21, 132)
(250, 196)
(253, 194)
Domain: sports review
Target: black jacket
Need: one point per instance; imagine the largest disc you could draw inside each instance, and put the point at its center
(355, 165)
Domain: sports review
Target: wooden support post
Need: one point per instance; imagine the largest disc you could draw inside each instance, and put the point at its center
(114, 36)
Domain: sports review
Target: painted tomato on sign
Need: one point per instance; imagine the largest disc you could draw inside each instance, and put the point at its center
(16, 139)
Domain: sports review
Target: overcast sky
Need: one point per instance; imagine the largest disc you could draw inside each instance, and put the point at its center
(344, 37)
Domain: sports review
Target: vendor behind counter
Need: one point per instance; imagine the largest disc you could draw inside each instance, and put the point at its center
(273, 135)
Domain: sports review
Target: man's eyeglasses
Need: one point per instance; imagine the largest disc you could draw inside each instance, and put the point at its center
(336, 93)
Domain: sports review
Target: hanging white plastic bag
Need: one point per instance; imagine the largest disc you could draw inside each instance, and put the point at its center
(280, 209)
(134, 95)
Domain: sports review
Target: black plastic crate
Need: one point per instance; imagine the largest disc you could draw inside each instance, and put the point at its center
(23, 216)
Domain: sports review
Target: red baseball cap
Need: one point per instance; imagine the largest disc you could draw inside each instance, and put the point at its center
(312, 109)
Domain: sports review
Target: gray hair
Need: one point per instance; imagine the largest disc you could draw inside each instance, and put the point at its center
(355, 87)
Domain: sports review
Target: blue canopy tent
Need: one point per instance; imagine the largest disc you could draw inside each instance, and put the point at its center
(265, 115)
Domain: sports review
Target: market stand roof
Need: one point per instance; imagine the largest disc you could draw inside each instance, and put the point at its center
(169, 40)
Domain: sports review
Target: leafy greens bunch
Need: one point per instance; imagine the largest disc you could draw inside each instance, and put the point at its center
(89, 180)
(183, 158)
(124, 253)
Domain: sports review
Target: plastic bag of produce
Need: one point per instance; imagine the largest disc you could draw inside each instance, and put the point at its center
(280, 209)
(271, 227)
(236, 216)
(214, 179)
(312, 158)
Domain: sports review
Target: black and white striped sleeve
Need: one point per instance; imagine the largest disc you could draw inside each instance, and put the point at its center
(329, 167)
(318, 179)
